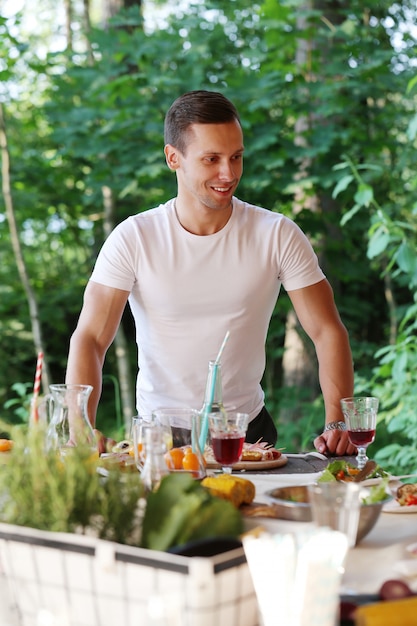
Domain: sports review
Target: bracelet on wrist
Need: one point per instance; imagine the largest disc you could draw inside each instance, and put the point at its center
(335, 426)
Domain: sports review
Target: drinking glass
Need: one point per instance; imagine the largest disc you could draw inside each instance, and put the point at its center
(139, 426)
(336, 505)
(360, 418)
(228, 434)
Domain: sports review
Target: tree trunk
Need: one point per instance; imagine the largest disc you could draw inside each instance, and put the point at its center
(18, 253)
(299, 361)
(68, 21)
(87, 30)
(112, 7)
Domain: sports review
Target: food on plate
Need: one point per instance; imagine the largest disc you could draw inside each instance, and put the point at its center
(399, 611)
(111, 460)
(394, 590)
(398, 605)
(252, 452)
(6, 445)
(343, 470)
(232, 488)
(251, 455)
(183, 458)
(122, 446)
(259, 451)
(298, 494)
(407, 495)
(377, 493)
(261, 510)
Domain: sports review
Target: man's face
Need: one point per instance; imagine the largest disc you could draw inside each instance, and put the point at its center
(210, 170)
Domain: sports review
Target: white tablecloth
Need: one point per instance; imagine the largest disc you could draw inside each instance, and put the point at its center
(377, 558)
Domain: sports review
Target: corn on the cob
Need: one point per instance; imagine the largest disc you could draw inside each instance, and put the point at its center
(229, 487)
(387, 613)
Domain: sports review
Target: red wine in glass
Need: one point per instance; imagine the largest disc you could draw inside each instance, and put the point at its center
(227, 449)
(227, 433)
(360, 415)
(361, 437)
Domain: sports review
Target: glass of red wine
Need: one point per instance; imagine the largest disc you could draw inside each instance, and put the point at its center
(227, 433)
(360, 419)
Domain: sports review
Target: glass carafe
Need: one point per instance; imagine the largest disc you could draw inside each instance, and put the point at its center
(213, 402)
(213, 397)
(155, 467)
(69, 425)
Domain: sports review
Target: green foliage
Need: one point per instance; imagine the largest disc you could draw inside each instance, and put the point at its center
(21, 404)
(42, 489)
(392, 245)
(299, 419)
(181, 510)
(327, 102)
(67, 494)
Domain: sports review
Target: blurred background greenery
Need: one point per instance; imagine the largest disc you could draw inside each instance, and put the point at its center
(327, 92)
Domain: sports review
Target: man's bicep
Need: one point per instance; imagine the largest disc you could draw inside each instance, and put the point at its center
(101, 312)
(315, 308)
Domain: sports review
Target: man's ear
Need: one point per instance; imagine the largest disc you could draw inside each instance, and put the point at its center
(171, 157)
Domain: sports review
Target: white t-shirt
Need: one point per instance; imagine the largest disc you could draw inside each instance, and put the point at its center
(187, 291)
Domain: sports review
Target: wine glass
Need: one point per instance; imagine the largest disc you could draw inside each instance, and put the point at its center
(227, 433)
(360, 419)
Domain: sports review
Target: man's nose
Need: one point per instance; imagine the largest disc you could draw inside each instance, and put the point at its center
(227, 170)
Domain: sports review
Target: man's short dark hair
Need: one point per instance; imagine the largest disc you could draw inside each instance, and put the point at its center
(196, 107)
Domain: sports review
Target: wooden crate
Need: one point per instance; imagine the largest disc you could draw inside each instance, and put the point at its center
(60, 579)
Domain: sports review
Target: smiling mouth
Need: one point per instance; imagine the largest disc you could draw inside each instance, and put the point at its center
(223, 189)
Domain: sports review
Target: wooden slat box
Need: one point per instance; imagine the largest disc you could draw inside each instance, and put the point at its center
(63, 579)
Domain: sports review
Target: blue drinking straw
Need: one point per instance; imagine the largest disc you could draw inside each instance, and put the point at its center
(207, 409)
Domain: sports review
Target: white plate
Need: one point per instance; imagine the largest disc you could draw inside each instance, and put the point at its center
(412, 549)
(394, 507)
(406, 568)
(371, 482)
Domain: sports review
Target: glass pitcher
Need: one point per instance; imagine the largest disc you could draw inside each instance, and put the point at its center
(69, 425)
(181, 429)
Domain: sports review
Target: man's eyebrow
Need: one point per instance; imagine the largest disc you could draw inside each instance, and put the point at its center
(215, 153)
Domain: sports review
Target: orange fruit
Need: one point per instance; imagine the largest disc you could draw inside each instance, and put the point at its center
(6, 445)
(174, 458)
(131, 451)
(190, 462)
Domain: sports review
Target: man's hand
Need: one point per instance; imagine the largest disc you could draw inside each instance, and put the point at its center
(334, 443)
(104, 444)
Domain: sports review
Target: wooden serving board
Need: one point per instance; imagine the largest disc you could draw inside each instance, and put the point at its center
(253, 466)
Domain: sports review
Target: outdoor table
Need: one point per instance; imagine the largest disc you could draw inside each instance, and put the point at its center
(368, 564)
(309, 462)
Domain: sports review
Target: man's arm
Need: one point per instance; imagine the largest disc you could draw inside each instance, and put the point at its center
(97, 326)
(318, 315)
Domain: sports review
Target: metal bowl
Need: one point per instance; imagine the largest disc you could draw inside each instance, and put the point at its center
(291, 503)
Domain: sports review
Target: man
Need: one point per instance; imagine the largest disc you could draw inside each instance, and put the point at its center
(203, 264)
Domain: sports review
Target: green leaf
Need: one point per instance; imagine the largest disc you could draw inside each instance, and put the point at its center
(378, 243)
(406, 258)
(411, 84)
(182, 510)
(412, 128)
(364, 195)
(348, 216)
(342, 185)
